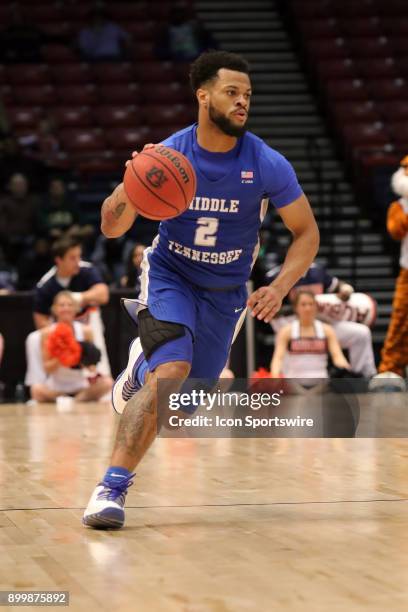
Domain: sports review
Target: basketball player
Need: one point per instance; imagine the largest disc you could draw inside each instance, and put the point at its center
(302, 347)
(194, 275)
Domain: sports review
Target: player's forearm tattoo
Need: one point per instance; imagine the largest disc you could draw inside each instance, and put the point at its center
(117, 212)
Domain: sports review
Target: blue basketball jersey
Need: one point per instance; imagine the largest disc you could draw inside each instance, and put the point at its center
(214, 242)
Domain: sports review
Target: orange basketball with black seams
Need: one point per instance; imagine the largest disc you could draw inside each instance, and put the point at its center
(160, 182)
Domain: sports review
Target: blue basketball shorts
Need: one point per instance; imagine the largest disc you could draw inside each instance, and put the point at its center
(211, 319)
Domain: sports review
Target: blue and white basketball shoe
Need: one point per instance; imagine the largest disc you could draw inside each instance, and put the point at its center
(127, 384)
(105, 509)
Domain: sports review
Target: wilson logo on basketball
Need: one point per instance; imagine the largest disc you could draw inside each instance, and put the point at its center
(175, 160)
(156, 177)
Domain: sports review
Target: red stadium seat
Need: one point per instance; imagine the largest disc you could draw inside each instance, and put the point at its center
(58, 54)
(378, 68)
(6, 95)
(38, 95)
(156, 72)
(114, 72)
(159, 133)
(399, 131)
(320, 28)
(28, 74)
(388, 89)
(369, 27)
(395, 27)
(169, 93)
(144, 50)
(111, 116)
(312, 9)
(354, 89)
(337, 69)
(400, 46)
(120, 94)
(328, 49)
(80, 95)
(353, 10)
(393, 110)
(347, 112)
(40, 14)
(172, 114)
(82, 140)
(127, 11)
(127, 139)
(77, 116)
(141, 30)
(370, 47)
(24, 116)
(357, 134)
(77, 72)
(403, 65)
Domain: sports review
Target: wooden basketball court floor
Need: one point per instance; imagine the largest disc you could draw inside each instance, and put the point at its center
(217, 525)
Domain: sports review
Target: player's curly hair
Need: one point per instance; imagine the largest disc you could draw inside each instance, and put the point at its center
(206, 66)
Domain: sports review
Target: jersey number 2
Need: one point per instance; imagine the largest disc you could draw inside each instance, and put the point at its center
(206, 232)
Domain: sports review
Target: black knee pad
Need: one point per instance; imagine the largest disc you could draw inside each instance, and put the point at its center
(154, 333)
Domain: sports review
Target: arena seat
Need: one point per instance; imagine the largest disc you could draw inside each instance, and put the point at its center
(355, 111)
(156, 72)
(393, 110)
(24, 116)
(113, 72)
(378, 46)
(58, 54)
(337, 69)
(80, 95)
(73, 116)
(28, 74)
(170, 114)
(361, 134)
(111, 116)
(77, 72)
(378, 68)
(320, 28)
(116, 93)
(81, 140)
(347, 89)
(127, 138)
(399, 131)
(34, 95)
(366, 27)
(171, 93)
(328, 49)
(388, 89)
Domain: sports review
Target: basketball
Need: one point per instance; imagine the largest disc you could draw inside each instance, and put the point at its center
(160, 182)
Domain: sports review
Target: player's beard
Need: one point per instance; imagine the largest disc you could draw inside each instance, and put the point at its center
(224, 124)
(399, 183)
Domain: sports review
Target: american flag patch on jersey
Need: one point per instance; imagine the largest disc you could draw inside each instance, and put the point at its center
(247, 174)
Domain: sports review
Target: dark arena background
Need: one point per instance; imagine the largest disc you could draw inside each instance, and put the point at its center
(217, 523)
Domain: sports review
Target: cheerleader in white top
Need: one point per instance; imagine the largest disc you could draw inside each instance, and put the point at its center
(69, 357)
(303, 346)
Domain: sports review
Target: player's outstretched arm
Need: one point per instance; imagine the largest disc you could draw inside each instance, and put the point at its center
(298, 217)
(117, 214)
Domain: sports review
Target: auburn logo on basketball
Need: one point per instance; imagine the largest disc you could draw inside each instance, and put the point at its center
(156, 177)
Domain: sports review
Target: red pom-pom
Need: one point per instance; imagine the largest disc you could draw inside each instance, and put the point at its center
(62, 345)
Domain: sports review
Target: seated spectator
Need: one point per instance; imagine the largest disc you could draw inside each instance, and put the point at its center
(42, 144)
(303, 346)
(108, 257)
(69, 357)
(34, 263)
(18, 211)
(81, 277)
(13, 160)
(103, 40)
(21, 40)
(352, 335)
(8, 275)
(131, 278)
(58, 212)
(184, 38)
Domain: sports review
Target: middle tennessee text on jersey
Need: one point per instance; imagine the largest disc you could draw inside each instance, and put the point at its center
(214, 242)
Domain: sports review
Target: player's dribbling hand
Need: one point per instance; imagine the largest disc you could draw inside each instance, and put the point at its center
(265, 302)
(150, 145)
